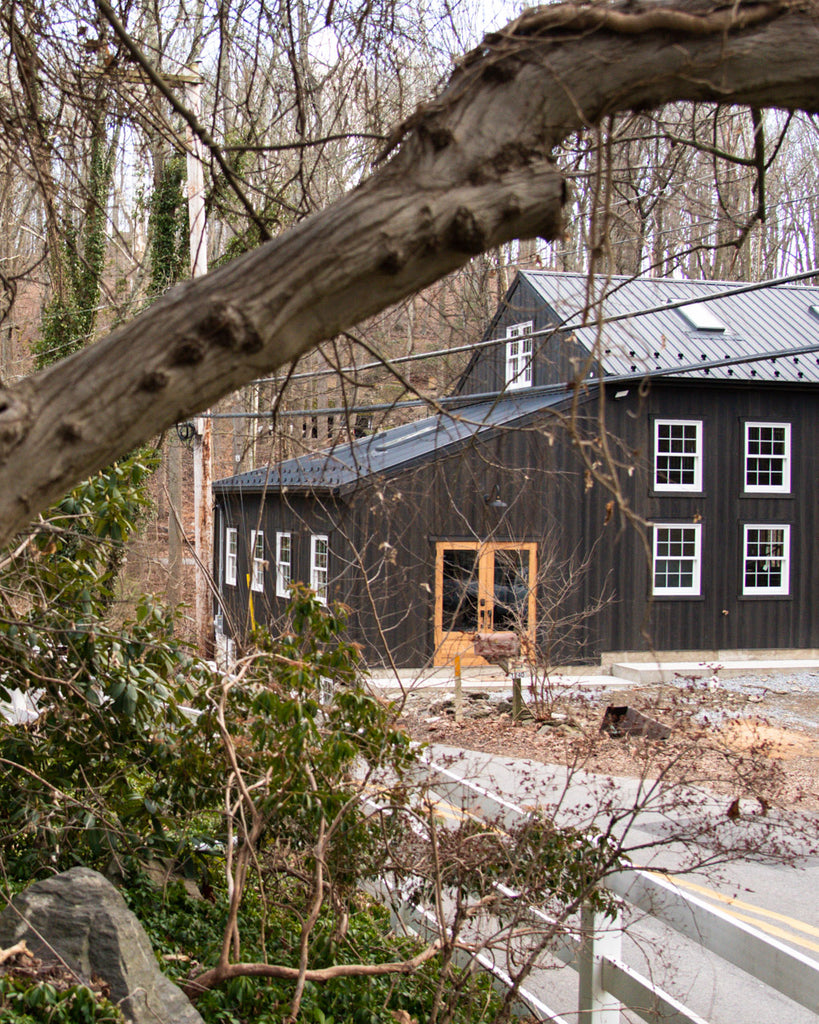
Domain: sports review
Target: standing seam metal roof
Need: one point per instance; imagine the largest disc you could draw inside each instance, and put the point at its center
(391, 450)
(776, 318)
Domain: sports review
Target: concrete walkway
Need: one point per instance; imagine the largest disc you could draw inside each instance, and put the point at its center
(617, 675)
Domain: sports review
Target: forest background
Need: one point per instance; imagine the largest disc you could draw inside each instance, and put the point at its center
(298, 102)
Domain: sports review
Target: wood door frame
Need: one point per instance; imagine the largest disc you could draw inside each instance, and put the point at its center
(451, 643)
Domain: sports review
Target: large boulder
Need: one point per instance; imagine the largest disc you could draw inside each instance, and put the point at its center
(80, 917)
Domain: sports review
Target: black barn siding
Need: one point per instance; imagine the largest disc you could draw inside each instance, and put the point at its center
(383, 532)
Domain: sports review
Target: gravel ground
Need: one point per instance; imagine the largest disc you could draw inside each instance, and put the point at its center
(790, 699)
(758, 733)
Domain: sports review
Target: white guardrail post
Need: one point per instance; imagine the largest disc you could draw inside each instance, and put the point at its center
(606, 983)
(602, 937)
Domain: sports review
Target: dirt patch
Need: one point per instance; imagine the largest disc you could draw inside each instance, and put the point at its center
(755, 734)
(717, 738)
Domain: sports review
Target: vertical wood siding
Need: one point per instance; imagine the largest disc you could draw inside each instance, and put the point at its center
(383, 534)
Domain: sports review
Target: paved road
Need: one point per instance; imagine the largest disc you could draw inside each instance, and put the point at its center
(779, 899)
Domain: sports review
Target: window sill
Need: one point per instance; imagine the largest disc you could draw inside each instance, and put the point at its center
(779, 495)
(676, 492)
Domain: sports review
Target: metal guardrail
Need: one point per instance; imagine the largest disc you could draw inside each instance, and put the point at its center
(606, 984)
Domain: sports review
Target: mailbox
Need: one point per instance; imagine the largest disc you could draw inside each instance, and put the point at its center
(496, 647)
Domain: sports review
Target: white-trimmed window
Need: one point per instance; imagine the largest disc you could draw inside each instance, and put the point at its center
(677, 455)
(231, 555)
(258, 560)
(519, 356)
(284, 564)
(320, 566)
(766, 554)
(677, 559)
(767, 458)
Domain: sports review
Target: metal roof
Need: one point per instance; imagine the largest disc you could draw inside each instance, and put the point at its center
(768, 326)
(341, 467)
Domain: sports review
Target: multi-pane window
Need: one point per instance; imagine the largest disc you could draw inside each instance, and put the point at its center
(258, 565)
(677, 455)
(231, 554)
(320, 566)
(284, 564)
(766, 559)
(767, 457)
(676, 561)
(519, 356)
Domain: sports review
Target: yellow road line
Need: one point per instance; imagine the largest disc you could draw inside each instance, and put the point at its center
(769, 929)
(443, 810)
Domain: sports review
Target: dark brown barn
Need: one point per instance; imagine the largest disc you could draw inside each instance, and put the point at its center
(637, 475)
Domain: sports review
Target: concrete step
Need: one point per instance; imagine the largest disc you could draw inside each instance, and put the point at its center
(648, 672)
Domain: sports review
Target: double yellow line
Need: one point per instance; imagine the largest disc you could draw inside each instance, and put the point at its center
(757, 916)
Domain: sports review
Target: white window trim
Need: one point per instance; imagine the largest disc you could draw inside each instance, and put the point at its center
(231, 557)
(282, 583)
(785, 487)
(785, 587)
(520, 365)
(695, 589)
(319, 585)
(696, 486)
(257, 565)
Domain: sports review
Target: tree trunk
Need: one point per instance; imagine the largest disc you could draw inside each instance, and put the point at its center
(469, 171)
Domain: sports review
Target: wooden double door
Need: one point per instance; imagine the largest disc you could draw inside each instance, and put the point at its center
(482, 587)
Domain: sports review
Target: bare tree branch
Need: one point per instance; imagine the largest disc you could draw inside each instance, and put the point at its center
(209, 979)
(472, 169)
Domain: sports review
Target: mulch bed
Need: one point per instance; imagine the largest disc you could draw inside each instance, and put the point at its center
(717, 737)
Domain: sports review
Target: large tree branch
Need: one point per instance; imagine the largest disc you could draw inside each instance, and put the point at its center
(211, 978)
(471, 170)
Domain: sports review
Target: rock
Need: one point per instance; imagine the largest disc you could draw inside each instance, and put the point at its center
(484, 710)
(162, 871)
(80, 917)
(440, 707)
(626, 721)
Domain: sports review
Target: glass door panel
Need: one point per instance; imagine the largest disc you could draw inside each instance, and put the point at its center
(510, 596)
(481, 588)
(460, 590)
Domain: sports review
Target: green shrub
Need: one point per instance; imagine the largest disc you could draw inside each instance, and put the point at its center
(24, 1002)
(197, 925)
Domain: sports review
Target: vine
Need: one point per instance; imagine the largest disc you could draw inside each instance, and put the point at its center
(71, 315)
(168, 228)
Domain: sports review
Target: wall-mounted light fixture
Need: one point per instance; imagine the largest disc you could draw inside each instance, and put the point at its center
(494, 501)
(186, 432)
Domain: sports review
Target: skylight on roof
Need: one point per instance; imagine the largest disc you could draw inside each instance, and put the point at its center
(700, 317)
(815, 311)
(385, 446)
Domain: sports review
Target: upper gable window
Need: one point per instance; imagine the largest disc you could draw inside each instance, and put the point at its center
(767, 458)
(700, 316)
(519, 356)
(677, 455)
